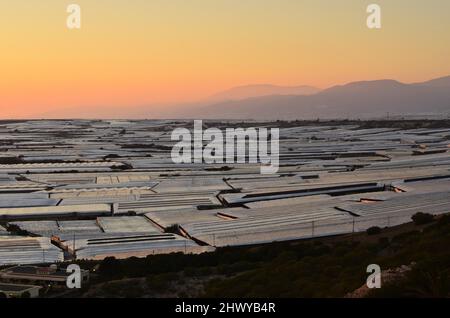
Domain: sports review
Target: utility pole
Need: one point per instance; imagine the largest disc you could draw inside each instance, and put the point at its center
(353, 228)
(74, 256)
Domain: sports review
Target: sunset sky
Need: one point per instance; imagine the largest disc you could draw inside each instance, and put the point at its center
(153, 52)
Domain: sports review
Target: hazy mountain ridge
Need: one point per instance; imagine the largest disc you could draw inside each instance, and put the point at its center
(362, 99)
(353, 100)
(437, 82)
(259, 90)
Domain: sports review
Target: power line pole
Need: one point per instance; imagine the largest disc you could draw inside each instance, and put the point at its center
(73, 246)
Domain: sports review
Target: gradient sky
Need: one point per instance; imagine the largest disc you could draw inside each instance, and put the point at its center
(145, 52)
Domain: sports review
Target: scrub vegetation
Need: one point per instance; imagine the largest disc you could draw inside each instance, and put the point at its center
(327, 267)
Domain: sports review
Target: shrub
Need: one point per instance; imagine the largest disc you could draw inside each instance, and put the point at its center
(26, 295)
(422, 218)
(110, 267)
(374, 230)
(174, 228)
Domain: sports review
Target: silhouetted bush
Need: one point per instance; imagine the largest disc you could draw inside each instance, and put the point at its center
(174, 228)
(422, 218)
(26, 295)
(374, 230)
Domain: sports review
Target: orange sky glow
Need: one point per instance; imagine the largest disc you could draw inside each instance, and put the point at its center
(156, 53)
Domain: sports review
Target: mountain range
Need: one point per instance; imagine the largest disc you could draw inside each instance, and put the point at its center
(364, 99)
(249, 91)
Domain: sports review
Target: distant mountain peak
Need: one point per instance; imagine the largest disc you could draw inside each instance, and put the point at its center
(366, 85)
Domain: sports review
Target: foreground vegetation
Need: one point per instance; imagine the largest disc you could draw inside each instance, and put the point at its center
(329, 267)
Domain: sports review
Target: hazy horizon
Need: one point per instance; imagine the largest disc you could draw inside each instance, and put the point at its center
(196, 108)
